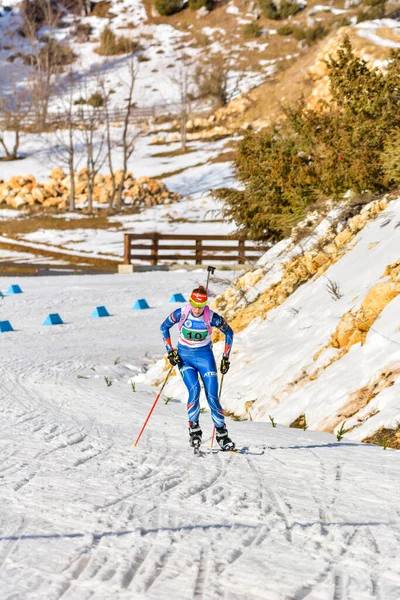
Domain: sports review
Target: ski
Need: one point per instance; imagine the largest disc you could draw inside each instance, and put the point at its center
(247, 450)
(243, 450)
(198, 452)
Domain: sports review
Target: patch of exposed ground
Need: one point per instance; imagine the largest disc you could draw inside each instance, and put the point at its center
(299, 423)
(385, 437)
(362, 397)
(86, 262)
(29, 223)
(354, 326)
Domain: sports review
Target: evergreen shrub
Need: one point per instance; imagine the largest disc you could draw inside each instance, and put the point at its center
(391, 159)
(196, 4)
(167, 7)
(96, 100)
(112, 45)
(285, 30)
(252, 30)
(351, 143)
(285, 10)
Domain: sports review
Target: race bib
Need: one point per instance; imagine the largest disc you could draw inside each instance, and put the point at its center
(192, 335)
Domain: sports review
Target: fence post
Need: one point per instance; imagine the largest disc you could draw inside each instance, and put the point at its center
(242, 251)
(199, 252)
(127, 249)
(154, 249)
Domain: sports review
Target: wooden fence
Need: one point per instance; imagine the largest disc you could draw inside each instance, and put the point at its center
(116, 115)
(156, 247)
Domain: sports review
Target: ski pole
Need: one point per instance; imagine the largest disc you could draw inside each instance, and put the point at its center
(219, 398)
(210, 271)
(152, 408)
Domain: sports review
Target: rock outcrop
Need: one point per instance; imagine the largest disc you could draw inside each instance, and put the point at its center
(296, 271)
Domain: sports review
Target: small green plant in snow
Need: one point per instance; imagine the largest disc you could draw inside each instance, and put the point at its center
(342, 432)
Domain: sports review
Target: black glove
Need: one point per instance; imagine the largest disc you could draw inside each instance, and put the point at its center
(174, 358)
(225, 364)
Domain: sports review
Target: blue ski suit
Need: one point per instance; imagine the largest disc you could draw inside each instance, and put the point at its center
(195, 350)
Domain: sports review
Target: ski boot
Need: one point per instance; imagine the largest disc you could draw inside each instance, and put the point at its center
(224, 440)
(195, 434)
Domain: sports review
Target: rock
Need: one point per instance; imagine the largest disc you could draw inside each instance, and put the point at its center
(51, 202)
(154, 186)
(351, 3)
(80, 187)
(83, 173)
(103, 196)
(202, 12)
(38, 194)
(16, 201)
(98, 179)
(29, 199)
(15, 182)
(57, 174)
(342, 238)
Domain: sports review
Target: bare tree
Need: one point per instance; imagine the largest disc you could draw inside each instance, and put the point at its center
(14, 107)
(93, 141)
(47, 56)
(184, 82)
(67, 149)
(129, 134)
(110, 142)
(215, 78)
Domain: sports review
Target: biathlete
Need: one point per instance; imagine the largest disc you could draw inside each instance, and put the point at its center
(194, 357)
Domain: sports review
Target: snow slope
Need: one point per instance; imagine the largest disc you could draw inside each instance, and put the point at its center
(84, 515)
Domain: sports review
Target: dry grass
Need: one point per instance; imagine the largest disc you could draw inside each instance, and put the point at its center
(23, 225)
(172, 153)
(113, 45)
(101, 9)
(299, 423)
(86, 262)
(388, 437)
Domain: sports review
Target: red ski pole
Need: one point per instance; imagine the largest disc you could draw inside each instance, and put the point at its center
(153, 407)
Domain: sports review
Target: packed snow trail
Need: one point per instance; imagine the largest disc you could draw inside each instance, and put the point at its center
(83, 515)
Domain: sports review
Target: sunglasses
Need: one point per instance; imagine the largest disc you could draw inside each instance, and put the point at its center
(198, 304)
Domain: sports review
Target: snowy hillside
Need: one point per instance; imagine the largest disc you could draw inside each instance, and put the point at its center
(324, 347)
(85, 515)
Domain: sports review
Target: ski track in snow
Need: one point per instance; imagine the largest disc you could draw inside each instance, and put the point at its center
(83, 515)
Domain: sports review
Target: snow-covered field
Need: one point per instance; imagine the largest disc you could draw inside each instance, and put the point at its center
(85, 515)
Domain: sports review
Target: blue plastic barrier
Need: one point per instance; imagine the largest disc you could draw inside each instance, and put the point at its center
(53, 319)
(5, 326)
(100, 311)
(14, 289)
(177, 298)
(140, 304)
